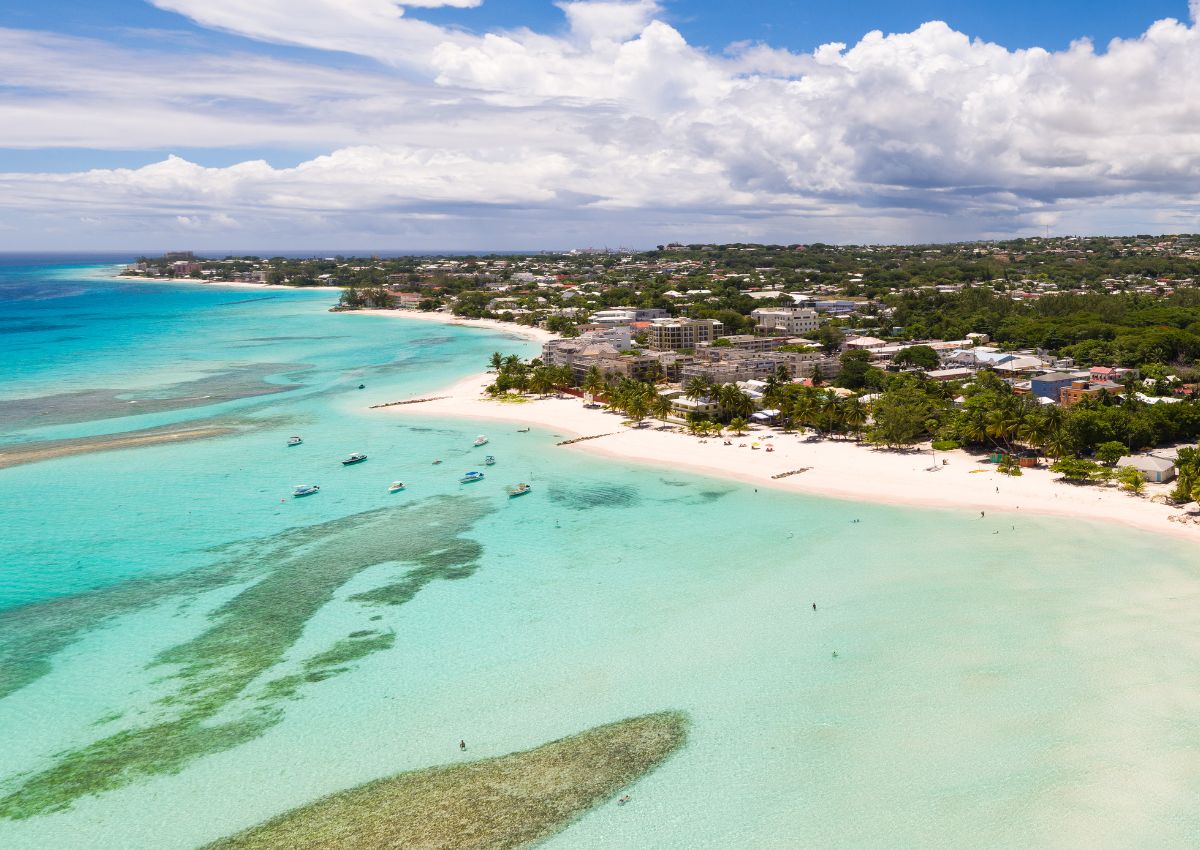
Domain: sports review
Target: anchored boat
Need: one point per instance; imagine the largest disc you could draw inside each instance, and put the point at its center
(395, 486)
(357, 457)
(294, 441)
(471, 477)
(481, 440)
(304, 490)
(489, 461)
(518, 490)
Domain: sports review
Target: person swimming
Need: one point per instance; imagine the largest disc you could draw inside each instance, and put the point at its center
(462, 745)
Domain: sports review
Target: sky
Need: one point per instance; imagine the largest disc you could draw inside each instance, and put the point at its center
(411, 125)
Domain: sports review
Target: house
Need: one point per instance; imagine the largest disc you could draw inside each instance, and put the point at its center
(1109, 373)
(627, 315)
(1157, 470)
(684, 406)
(1079, 390)
(960, 374)
(1050, 384)
(863, 342)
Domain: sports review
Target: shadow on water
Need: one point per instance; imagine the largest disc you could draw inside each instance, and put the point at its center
(293, 574)
(593, 495)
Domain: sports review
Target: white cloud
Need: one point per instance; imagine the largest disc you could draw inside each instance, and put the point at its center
(608, 21)
(619, 122)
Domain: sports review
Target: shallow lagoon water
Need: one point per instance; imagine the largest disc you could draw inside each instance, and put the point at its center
(1036, 687)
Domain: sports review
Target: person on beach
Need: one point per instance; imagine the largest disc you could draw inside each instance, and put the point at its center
(981, 514)
(814, 606)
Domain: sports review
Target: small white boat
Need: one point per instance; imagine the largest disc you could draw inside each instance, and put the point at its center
(518, 490)
(395, 486)
(489, 461)
(471, 477)
(294, 441)
(481, 440)
(304, 490)
(357, 457)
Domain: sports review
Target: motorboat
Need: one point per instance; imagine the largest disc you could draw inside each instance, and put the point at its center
(304, 490)
(471, 477)
(294, 441)
(481, 440)
(357, 457)
(489, 461)
(518, 490)
(395, 486)
(522, 430)
(436, 462)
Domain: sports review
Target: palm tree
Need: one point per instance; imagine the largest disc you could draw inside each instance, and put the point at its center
(660, 408)
(1003, 424)
(804, 407)
(854, 414)
(696, 388)
(541, 381)
(637, 406)
(738, 425)
(497, 360)
(733, 402)
(593, 381)
(831, 412)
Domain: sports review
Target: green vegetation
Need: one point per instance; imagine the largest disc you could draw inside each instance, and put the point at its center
(920, 356)
(1114, 301)
(496, 804)
(1094, 328)
(514, 375)
(1131, 479)
(1187, 481)
(1078, 469)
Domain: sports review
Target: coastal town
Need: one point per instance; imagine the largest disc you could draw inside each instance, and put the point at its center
(1066, 357)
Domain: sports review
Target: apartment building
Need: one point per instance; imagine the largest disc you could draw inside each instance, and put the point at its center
(785, 320)
(676, 334)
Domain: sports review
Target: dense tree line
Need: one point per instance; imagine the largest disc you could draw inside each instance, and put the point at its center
(1109, 329)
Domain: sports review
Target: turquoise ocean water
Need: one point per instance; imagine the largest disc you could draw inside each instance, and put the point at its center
(186, 651)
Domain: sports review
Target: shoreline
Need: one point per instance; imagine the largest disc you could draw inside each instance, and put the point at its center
(530, 333)
(228, 284)
(838, 469)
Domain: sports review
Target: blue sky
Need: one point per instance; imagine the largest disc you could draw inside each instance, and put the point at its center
(519, 123)
(795, 24)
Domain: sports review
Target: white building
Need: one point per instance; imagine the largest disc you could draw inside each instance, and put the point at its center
(788, 320)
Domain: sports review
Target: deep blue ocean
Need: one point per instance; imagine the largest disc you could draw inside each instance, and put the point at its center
(186, 650)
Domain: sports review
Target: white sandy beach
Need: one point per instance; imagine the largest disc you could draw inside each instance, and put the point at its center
(836, 468)
(535, 334)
